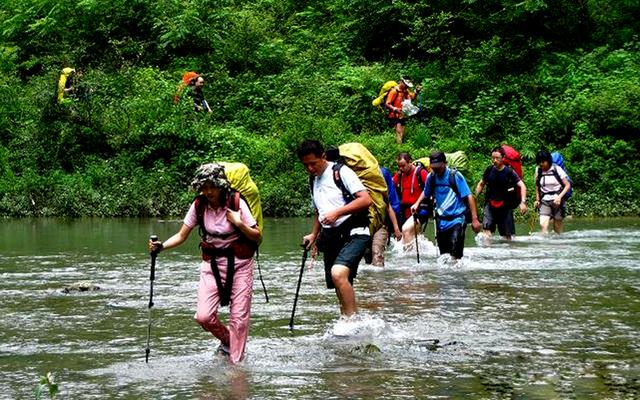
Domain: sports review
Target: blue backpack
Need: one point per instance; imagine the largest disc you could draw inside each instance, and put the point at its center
(556, 158)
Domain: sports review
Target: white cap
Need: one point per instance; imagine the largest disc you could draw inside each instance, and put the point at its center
(407, 82)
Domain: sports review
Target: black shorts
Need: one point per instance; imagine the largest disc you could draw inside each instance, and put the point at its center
(451, 241)
(501, 217)
(395, 121)
(349, 255)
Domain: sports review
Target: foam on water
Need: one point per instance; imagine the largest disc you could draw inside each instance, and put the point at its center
(359, 327)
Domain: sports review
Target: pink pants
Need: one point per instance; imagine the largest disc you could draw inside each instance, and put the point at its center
(236, 332)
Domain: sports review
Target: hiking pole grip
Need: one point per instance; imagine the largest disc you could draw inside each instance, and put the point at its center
(154, 254)
(295, 300)
(416, 231)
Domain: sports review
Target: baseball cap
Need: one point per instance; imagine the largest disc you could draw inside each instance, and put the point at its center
(436, 159)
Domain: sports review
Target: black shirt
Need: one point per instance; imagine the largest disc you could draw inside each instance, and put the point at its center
(498, 182)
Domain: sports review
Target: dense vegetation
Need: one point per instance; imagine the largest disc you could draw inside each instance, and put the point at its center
(533, 73)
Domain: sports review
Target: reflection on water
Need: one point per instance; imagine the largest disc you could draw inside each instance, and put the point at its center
(537, 317)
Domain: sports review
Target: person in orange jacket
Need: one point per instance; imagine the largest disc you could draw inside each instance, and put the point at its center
(393, 104)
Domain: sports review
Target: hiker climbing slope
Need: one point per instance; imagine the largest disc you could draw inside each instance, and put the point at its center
(194, 82)
(229, 237)
(394, 103)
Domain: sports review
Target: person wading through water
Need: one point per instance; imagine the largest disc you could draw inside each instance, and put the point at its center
(409, 183)
(455, 205)
(229, 236)
(552, 184)
(502, 196)
(340, 227)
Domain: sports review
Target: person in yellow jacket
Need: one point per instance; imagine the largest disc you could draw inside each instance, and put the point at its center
(66, 83)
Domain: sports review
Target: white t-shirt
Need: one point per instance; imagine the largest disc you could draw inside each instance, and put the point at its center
(327, 196)
(549, 185)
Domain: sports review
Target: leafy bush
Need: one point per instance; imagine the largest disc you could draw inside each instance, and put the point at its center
(536, 74)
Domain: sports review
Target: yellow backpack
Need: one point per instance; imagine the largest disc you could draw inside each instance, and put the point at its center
(364, 164)
(238, 175)
(382, 96)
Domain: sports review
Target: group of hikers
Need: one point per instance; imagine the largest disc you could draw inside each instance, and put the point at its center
(69, 87)
(341, 231)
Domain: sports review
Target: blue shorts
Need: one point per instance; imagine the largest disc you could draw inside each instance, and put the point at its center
(349, 255)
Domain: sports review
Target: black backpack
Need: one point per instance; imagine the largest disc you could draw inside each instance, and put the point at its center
(360, 219)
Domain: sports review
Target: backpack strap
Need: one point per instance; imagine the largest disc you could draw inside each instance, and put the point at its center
(200, 205)
(233, 203)
(337, 179)
(418, 175)
(452, 181)
(399, 184)
(555, 174)
(360, 219)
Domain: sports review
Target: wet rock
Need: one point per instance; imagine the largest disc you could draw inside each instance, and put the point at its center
(368, 348)
(84, 286)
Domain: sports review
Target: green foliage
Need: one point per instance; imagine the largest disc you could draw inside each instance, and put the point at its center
(47, 385)
(534, 74)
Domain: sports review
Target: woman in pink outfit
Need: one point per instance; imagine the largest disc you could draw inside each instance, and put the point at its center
(229, 237)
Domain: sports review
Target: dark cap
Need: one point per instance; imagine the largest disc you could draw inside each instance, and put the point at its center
(436, 159)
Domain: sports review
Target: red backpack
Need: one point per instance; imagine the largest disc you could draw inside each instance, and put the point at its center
(512, 159)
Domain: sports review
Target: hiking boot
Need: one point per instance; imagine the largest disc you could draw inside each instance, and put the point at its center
(223, 350)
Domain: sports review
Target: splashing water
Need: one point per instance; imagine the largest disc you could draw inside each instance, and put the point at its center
(535, 317)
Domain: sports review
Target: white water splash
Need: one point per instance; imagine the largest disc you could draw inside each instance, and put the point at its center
(426, 249)
(357, 326)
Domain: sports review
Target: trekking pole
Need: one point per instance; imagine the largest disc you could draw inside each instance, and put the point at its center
(266, 296)
(435, 232)
(295, 300)
(152, 276)
(416, 231)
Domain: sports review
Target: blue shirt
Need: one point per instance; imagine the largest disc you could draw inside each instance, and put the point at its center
(394, 200)
(447, 203)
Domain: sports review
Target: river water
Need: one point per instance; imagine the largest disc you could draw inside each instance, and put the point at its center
(538, 318)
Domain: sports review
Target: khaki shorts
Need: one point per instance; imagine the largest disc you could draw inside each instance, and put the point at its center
(549, 209)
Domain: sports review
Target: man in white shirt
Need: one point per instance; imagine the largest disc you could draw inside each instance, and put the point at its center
(340, 228)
